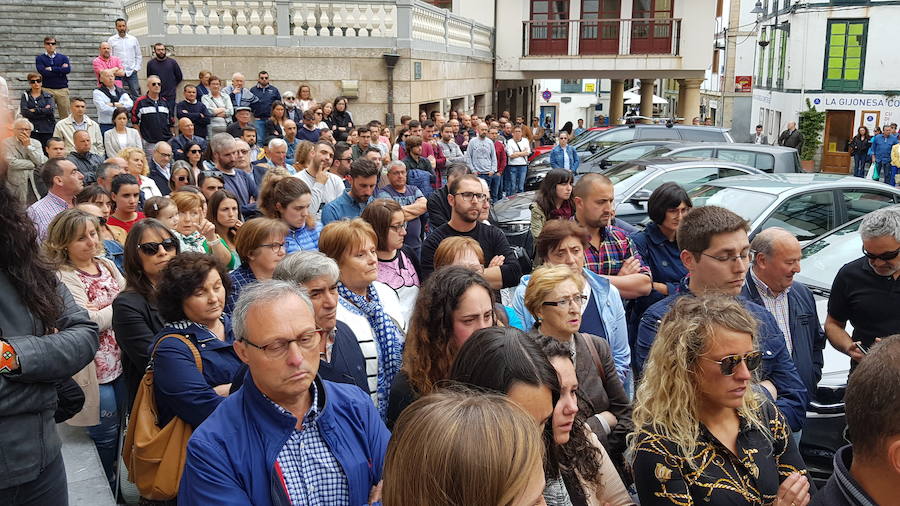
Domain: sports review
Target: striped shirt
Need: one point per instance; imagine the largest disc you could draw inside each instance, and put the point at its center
(779, 307)
(366, 339)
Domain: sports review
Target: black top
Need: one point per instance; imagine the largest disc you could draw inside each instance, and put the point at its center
(865, 299)
(842, 489)
(401, 396)
(752, 476)
(135, 322)
(438, 208)
(492, 242)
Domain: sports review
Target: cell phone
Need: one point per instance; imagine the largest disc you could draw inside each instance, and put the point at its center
(864, 349)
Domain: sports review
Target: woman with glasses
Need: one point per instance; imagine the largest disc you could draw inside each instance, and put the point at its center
(705, 432)
(182, 175)
(120, 136)
(136, 320)
(341, 119)
(219, 106)
(140, 169)
(398, 265)
(555, 299)
(553, 200)
(38, 107)
(275, 124)
(73, 242)
(224, 212)
(193, 155)
(191, 293)
(453, 303)
(260, 245)
(370, 308)
(287, 198)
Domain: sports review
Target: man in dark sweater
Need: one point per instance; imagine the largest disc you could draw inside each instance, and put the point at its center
(54, 69)
(153, 116)
(466, 198)
(192, 109)
(166, 69)
(438, 207)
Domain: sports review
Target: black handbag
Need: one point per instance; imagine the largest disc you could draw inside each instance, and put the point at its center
(69, 400)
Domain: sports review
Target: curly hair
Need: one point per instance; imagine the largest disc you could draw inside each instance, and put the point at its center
(578, 455)
(182, 276)
(430, 348)
(666, 401)
(126, 153)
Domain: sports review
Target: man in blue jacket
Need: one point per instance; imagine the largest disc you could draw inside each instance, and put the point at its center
(262, 108)
(881, 153)
(563, 156)
(287, 436)
(770, 283)
(715, 251)
(54, 69)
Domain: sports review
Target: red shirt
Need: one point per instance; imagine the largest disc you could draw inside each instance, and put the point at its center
(125, 225)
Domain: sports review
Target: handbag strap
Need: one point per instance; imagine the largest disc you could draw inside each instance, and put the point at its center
(595, 356)
(184, 339)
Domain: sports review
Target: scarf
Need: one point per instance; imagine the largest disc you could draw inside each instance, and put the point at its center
(387, 339)
(192, 242)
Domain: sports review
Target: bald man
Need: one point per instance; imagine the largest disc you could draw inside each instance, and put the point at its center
(186, 136)
(106, 61)
(770, 283)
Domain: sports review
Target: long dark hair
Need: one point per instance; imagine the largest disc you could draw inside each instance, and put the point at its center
(30, 275)
(135, 280)
(546, 194)
(212, 211)
(863, 127)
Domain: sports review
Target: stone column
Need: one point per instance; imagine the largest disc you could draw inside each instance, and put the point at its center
(679, 109)
(691, 107)
(616, 101)
(647, 98)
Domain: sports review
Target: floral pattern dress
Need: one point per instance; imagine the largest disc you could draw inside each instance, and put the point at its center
(101, 289)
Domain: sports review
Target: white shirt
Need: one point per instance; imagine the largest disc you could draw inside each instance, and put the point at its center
(128, 50)
(322, 193)
(565, 158)
(512, 147)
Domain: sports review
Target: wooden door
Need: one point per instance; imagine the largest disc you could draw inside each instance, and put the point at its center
(651, 37)
(835, 149)
(549, 32)
(599, 32)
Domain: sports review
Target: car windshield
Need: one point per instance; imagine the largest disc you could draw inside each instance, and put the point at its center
(747, 204)
(824, 257)
(655, 152)
(625, 176)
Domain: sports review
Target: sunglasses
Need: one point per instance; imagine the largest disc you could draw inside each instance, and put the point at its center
(888, 255)
(33, 81)
(49, 43)
(195, 151)
(154, 84)
(181, 179)
(728, 363)
(151, 248)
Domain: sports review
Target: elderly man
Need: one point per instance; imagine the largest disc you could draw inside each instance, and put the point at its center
(276, 157)
(161, 166)
(107, 98)
(240, 96)
(775, 255)
(64, 182)
(79, 120)
(192, 109)
(25, 158)
(109, 169)
(86, 161)
(242, 121)
(286, 436)
(411, 200)
(186, 136)
(106, 61)
(864, 291)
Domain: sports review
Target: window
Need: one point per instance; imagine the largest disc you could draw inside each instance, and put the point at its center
(616, 135)
(845, 55)
(728, 172)
(782, 57)
(739, 156)
(702, 135)
(661, 133)
(860, 203)
(694, 153)
(688, 178)
(806, 216)
(570, 86)
(631, 153)
(762, 57)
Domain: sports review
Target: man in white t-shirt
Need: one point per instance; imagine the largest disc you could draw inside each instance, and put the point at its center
(325, 186)
(518, 150)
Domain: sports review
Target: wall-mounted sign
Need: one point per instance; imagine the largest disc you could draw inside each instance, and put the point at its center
(743, 84)
(417, 70)
(589, 87)
(565, 100)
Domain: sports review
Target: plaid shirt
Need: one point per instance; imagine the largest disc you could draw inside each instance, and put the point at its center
(614, 250)
(312, 474)
(779, 307)
(43, 211)
(240, 277)
(302, 239)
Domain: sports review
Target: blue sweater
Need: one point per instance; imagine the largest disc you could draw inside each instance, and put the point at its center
(55, 78)
(231, 458)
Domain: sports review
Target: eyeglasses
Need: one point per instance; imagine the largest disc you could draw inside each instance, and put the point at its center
(888, 255)
(573, 301)
(151, 248)
(278, 349)
(730, 362)
(479, 197)
(35, 81)
(195, 151)
(744, 257)
(345, 159)
(165, 155)
(274, 246)
(398, 228)
(181, 179)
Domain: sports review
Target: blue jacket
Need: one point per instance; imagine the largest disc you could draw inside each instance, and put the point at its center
(881, 147)
(609, 305)
(231, 457)
(777, 365)
(56, 77)
(262, 109)
(557, 161)
(807, 335)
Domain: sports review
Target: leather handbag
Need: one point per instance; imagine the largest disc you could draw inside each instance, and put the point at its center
(154, 455)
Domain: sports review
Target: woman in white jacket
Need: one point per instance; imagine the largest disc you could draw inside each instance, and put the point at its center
(120, 136)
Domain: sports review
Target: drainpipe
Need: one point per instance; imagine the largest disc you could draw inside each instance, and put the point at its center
(494, 94)
(390, 60)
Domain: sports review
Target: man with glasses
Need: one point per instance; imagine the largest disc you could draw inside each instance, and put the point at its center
(153, 115)
(411, 200)
(54, 68)
(318, 442)
(466, 197)
(864, 291)
(363, 136)
(187, 136)
(167, 70)
(161, 166)
(292, 110)
(266, 94)
(715, 251)
(350, 204)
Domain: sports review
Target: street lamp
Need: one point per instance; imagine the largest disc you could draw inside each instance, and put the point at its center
(758, 8)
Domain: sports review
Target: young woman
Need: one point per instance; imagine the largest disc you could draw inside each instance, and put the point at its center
(402, 135)
(72, 244)
(140, 169)
(286, 198)
(38, 107)
(453, 303)
(553, 200)
(341, 119)
(705, 433)
(275, 123)
(162, 209)
(95, 201)
(219, 106)
(859, 149)
(260, 246)
(194, 157)
(453, 448)
(120, 136)
(182, 175)
(327, 109)
(203, 85)
(224, 212)
(398, 265)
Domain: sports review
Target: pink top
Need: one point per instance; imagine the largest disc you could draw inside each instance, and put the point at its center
(113, 62)
(101, 289)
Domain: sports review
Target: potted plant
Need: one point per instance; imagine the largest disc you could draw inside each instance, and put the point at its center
(811, 124)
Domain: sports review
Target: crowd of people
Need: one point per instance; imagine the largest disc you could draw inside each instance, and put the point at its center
(327, 312)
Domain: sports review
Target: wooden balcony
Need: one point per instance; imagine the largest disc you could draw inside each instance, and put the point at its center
(601, 37)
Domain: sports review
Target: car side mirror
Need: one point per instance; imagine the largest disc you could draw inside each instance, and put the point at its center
(640, 197)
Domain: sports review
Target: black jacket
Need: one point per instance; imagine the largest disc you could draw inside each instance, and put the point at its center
(87, 164)
(859, 146)
(40, 111)
(438, 208)
(135, 322)
(162, 182)
(28, 396)
(154, 118)
(341, 119)
(197, 113)
(791, 139)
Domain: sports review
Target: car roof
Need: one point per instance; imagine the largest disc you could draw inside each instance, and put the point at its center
(679, 127)
(742, 146)
(666, 163)
(776, 184)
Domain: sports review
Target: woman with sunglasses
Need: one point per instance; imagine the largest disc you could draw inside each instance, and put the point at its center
(224, 212)
(182, 175)
(706, 433)
(398, 265)
(260, 245)
(555, 297)
(193, 155)
(120, 136)
(73, 242)
(38, 107)
(136, 320)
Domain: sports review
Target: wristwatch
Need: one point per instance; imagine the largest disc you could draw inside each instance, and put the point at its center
(9, 362)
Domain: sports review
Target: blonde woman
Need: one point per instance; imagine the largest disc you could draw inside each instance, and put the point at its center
(453, 448)
(706, 433)
(193, 231)
(140, 169)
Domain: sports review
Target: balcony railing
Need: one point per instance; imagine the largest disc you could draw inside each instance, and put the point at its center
(596, 37)
(336, 23)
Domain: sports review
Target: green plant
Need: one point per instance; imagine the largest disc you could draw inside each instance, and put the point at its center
(811, 124)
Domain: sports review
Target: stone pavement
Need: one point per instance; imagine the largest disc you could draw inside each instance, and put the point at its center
(87, 483)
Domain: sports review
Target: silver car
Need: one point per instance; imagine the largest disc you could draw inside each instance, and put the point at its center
(777, 159)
